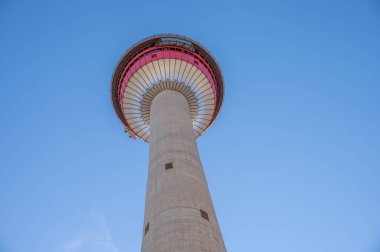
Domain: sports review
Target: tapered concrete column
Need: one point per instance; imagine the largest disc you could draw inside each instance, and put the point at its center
(176, 197)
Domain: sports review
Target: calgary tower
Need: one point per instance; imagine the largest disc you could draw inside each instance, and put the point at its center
(167, 90)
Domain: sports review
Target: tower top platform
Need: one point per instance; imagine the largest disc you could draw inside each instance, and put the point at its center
(166, 62)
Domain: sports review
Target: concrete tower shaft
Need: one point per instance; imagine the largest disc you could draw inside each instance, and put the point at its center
(179, 214)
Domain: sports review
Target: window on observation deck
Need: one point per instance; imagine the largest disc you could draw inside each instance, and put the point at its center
(204, 214)
(168, 166)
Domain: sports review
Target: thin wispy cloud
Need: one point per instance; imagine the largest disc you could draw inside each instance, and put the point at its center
(98, 239)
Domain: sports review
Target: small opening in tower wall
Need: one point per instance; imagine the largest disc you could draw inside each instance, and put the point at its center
(146, 228)
(168, 166)
(204, 214)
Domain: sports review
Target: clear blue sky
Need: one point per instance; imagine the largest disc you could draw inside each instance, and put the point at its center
(292, 161)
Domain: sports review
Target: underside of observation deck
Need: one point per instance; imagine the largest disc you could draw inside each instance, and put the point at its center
(166, 62)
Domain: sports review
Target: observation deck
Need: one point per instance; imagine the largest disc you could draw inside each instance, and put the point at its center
(166, 62)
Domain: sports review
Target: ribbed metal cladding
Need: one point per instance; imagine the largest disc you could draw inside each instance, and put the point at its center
(176, 199)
